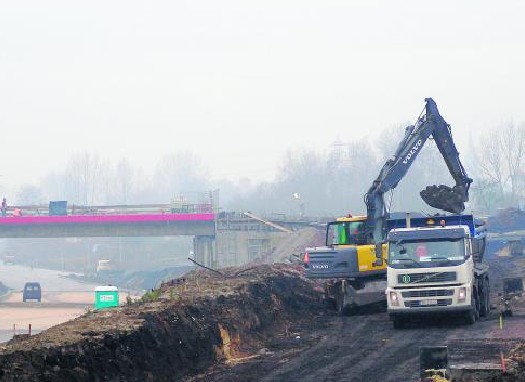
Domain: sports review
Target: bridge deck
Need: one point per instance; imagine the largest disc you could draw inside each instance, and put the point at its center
(94, 219)
(119, 225)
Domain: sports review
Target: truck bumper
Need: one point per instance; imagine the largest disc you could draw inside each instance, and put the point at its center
(394, 313)
(428, 300)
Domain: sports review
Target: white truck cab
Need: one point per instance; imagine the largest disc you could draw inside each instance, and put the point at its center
(436, 269)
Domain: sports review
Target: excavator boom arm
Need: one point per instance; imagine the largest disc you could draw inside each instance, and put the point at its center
(442, 197)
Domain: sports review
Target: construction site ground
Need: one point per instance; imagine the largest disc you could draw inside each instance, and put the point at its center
(266, 323)
(365, 347)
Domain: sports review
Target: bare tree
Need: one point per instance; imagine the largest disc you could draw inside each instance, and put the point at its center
(77, 178)
(513, 149)
(501, 159)
(54, 186)
(29, 195)
(486, 195)
(491, 161)
(182, 172)
(350, 167)
(83, 177)
(122, 182)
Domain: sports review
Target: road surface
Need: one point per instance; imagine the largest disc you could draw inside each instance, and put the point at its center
(63, 299)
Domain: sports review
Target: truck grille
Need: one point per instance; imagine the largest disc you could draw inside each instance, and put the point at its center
(431, 277)
(417, 303)
(427, 293)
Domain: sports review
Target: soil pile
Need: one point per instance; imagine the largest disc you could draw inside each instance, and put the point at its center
(296, 242)
(507, 220)
(187, 325)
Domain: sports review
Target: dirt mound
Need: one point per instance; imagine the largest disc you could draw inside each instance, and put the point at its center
(296, 242)
(507, 220)
(188, 325)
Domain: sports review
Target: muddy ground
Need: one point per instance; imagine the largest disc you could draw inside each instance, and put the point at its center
(366, 347)
(262, 324)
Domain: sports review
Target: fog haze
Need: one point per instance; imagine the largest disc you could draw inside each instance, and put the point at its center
(238, 83)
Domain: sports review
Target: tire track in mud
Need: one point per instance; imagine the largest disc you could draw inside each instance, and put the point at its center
(367, 348)
(325, 358)
(362, 348)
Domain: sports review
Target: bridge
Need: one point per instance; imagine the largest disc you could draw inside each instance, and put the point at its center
(219, 239)
(120, 225)
(154, 220)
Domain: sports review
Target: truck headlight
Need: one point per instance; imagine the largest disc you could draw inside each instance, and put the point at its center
(394, 301)
(462, 294)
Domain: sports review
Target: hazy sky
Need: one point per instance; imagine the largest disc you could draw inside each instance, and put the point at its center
(240, 82)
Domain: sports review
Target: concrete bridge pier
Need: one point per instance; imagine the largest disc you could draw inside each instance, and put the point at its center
(204, 251)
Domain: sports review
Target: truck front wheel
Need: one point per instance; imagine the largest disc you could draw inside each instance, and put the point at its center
(342, 307)
(398, 323)
(485, 300)
(473, 314)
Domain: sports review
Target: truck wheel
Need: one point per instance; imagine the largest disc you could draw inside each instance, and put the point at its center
(470, 317)
(477, 308)
(343, 303)
(398, 323)
(473, 314)
(339, 303)
(342, 309)
(485, 300)
(330, 302)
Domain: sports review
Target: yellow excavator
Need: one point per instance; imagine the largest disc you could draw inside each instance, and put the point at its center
(353, 260)
(348, 263)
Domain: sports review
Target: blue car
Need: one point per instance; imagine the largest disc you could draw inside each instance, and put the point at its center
(32, 291)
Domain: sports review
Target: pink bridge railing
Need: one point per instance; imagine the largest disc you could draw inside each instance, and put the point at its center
(108, 214)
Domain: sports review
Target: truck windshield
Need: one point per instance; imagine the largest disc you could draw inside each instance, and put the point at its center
(428, 253)
(345, 233)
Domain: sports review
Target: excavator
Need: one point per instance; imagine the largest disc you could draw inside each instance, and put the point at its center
(353, 261)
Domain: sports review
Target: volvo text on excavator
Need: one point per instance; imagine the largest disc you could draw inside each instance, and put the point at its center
(352, 262)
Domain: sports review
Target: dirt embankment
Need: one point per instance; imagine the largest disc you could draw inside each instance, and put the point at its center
(189, 325)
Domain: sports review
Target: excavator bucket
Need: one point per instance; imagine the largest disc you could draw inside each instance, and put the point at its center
(450, 199)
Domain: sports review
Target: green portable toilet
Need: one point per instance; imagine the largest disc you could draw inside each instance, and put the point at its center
(106, 296)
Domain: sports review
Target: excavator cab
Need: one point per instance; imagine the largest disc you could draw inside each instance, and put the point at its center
(351, 232)
(346, 231)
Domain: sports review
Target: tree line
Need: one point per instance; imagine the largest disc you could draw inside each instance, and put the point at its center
(310, 182)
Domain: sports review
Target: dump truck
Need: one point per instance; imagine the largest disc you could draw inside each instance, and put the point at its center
(435, 266)
(353, 261)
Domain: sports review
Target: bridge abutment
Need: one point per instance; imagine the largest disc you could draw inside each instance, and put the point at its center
(204, 251)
